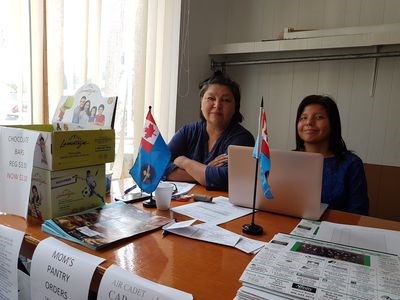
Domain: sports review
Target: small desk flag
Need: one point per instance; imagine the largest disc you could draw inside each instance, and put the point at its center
(153, 157)
(263, 153)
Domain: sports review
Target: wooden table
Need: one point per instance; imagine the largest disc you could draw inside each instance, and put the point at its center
(206, 270)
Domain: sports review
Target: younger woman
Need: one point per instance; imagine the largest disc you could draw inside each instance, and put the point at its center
(318, 129)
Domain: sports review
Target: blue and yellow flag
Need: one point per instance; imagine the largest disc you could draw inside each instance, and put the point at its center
(153, 157)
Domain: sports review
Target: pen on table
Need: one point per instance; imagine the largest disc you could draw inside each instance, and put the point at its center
(130, 189)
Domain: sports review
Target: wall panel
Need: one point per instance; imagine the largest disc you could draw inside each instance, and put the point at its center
(391, 12)
(307, 18)
(328, 78)
(344, 94)
(279, 104)
(381, 102)
(360, 109)
(371, 12)
(391, 146)
(333, 13)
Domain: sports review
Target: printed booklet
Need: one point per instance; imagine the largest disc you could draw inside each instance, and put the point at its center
(99, 227)
(86, 110)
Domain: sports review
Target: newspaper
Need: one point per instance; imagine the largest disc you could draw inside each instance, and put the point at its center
(297, 267)
(377, 239)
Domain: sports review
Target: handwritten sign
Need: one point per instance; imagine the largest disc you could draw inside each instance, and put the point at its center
(121, 284)
(16, 158)
(59, 271)
(10, 243)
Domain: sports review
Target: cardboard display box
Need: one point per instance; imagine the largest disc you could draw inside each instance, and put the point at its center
(59, 193)
(60, 150)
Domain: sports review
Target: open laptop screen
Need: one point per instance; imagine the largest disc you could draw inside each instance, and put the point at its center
(295, 180)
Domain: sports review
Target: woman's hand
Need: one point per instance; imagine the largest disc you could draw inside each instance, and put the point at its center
(219, 161)
(180, 161)
(188, 170)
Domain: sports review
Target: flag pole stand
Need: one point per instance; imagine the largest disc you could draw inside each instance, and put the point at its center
(252, 228)
(150, 203)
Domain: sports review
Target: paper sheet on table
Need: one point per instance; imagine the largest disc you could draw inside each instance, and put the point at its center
(217, 212)
(306, 228)
(248, 245)
(214, 234)
(358, 236)
(182, 187)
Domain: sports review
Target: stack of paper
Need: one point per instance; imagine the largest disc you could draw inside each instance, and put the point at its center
(294, 267)
(214, 234)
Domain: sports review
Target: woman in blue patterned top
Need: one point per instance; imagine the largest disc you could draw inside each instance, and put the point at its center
(199, 150)
(318, 129)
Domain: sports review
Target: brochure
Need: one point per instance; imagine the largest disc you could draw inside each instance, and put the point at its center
(99, 227)
(86, 110)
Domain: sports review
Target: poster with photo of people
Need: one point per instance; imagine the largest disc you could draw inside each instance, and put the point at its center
(86, 110)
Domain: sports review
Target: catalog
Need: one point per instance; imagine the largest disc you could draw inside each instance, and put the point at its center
(86, 110)
(99, 227)
(297, 267)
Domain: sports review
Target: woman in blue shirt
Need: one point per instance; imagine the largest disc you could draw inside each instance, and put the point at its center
(318, 129)
(199, 150)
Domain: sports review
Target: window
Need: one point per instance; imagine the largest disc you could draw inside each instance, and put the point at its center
(15, 85)
(128, 48)
(94, 42)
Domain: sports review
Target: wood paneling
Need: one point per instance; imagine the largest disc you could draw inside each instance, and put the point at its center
(384, 191)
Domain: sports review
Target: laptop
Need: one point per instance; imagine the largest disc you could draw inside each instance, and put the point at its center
(295, 180)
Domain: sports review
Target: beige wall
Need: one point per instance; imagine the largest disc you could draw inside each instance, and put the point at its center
(370, 123)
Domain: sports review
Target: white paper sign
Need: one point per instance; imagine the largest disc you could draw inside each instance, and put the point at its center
(59, 271)
(118, 283)
(10, 244)
(17, 148)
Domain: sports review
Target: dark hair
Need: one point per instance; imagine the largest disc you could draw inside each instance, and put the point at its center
(223, 79)
(336, 142)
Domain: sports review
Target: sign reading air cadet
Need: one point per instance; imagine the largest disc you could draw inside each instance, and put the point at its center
(120, 284)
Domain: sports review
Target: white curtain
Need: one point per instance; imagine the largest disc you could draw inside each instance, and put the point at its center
(129, 49)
